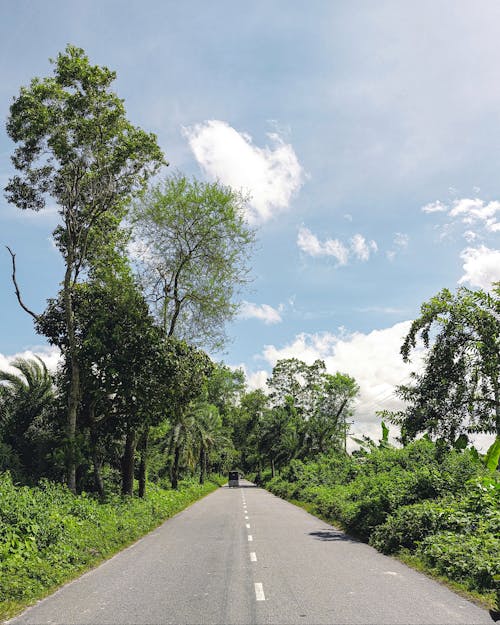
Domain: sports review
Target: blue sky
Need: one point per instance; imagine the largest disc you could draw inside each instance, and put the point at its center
(367, 132)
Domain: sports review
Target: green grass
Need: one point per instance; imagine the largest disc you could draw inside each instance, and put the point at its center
(49, 536)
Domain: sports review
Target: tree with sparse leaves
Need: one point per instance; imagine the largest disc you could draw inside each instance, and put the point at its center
(192, 245)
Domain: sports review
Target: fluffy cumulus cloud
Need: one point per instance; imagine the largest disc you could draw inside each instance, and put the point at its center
(263, 312)
(271, 174)
(358, 247)
(373, 359)
(481, 267)
(472, 211)
(50, 355)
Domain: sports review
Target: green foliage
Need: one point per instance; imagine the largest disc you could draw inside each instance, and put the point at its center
(459, 390)
(493, 455)
(193, 248)
(27, 399)
(47, 534)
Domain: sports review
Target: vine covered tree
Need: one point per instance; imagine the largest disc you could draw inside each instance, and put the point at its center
(76, 147)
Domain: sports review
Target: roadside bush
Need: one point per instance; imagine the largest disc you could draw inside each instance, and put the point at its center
(473, 559)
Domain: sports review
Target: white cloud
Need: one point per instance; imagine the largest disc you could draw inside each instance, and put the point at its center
(272, 174)
(359, 247)
(310, 244)
(477, 210)
(50, 355)
(470, 236)
(435, 207)
(481, 266)
(264, 312)
(470, 211)
(401, 240)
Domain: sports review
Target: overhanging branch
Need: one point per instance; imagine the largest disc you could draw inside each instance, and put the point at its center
(18, 293)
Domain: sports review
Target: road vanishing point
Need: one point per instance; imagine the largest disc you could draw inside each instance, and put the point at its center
(242, 555)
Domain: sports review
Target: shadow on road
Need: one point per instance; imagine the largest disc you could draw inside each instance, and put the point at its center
(495, 615)
(241, 486)
(329, 535)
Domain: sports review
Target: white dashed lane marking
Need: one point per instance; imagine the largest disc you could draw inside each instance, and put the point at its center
(253, 556)
(259, 592)
(250, 538)
(248, 526)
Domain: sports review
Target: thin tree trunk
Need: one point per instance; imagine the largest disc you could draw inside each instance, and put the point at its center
(99, 483)
(203, 465)
(273, 472)
(97, 460)
(175, 468)
(143, 462)
(128, 464)
(74, 389)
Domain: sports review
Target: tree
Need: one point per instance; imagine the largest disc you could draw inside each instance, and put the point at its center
(302, 383)
(279, 435)
(192, 245)
(125, 367)
(323, 402)
(188, 380)
(76, 146)
(26, 399)
(458, 392)
(327, 427)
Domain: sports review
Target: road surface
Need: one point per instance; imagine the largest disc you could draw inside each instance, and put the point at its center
(242, 555)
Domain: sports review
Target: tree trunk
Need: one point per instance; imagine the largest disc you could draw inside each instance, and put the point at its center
(74, 388)
(143, 462)
(97, 460)
(273, 472)
(174, 476)
(128, 464)
(203, 465)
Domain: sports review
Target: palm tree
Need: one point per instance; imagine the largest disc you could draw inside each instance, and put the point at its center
(25, 397)
(209, 434)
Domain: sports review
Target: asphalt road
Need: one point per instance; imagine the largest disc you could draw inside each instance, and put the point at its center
(242, 555)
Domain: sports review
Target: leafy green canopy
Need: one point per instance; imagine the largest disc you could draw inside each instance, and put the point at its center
(76, 146)
(459, 389)
(192, 244)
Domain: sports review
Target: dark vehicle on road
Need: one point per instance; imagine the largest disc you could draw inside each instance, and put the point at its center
(234, 478)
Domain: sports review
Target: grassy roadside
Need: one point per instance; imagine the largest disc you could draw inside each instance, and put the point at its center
(484, 600)
(49, 537)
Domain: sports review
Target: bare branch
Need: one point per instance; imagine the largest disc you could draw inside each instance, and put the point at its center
(18, 293)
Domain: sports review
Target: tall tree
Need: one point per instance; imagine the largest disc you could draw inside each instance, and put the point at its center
(76, 146)
(328, 426)
(293, 378)
(192, 243)
(458, 391)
